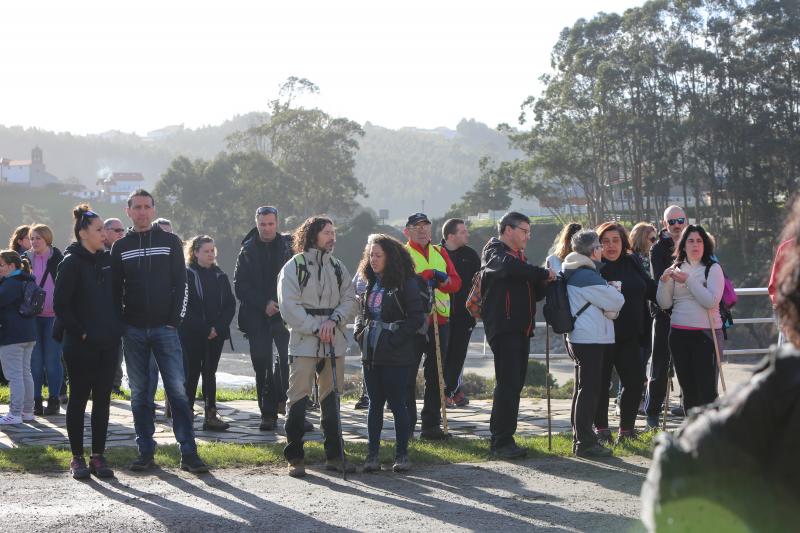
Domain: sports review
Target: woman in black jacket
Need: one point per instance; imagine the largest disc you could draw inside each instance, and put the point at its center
(206, 325)
(386, 328)
(83, 304)
(624, 270)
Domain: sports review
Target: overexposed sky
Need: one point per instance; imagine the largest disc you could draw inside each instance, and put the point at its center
(92, 66)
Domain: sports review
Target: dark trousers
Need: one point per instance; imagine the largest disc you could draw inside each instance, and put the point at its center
(626, 357)
(696, 365)
(659, 367)
(280, 370)
(92, 372)
(118, 370)
(387, 384)
(510, 367)
(588, 375)
(261, 340)
(201, 357)
(457, 346)
(432, 404)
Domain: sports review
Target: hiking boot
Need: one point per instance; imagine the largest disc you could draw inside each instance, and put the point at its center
(597, 450)
(362, 403)
(10, 420)
(192, 463)
(627, 435)
(99, 467)
(268, 423)
(460, 400)
(335, 465)
(213, 423)
(434, 433)
(297, 468)
(77, 467)
(604, 436)
(281, 408)
(372, 464)
(653, 424)
(510, 451)
(678, 412)
(401, 464)
(53, 406)
(38, 410)
(307, 426)
(142, 463)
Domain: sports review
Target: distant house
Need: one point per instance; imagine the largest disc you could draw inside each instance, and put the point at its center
(119, 185)
(29, 172)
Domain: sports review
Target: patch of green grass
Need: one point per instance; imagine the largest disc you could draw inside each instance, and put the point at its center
(228, 455)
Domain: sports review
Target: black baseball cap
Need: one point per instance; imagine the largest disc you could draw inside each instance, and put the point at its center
(416, 218)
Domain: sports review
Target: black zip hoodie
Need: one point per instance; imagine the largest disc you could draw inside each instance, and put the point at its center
(210, 304)
(83, 300)
(149, 278)
(467, 262)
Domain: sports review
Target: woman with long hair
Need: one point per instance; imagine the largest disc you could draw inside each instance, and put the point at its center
(391, 313)
(643, 236)
(562, 246)
(692, 288)
(46, 358)
(206, 325)
(84, 305)
(20, 240)
(624, 270)
(18, 337)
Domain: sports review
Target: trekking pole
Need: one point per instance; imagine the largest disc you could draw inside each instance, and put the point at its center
(666, 399)
(716, 349)
(547, 384)
(338, 413)
(439, 371)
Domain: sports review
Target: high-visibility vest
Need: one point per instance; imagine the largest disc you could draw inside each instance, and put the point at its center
(435, 261)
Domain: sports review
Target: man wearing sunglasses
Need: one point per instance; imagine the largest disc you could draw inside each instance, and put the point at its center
(660, 259)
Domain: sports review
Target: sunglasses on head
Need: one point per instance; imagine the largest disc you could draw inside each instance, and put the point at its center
(673, 221)
(266, 210)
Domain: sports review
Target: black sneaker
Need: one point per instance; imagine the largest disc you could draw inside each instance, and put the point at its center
(362, 403)
(335, 465)
(142, 463)
(77, 467)
(99, 467)
(401, 464)
(603, 436)
(511, 451)
(627, 435)
(192, 463)
(268, 423)
(435, 433)
(594, 451)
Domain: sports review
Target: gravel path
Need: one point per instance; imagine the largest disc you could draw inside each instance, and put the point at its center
(535, 495)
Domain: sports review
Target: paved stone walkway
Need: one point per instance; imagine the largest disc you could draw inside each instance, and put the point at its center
(471, 421)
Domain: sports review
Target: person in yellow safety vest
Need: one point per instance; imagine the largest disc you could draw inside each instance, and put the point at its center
(432, 264)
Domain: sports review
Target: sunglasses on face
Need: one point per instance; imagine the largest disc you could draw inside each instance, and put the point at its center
(674, 221)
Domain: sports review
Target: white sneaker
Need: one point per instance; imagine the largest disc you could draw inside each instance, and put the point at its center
(10, 419)
(28, 417)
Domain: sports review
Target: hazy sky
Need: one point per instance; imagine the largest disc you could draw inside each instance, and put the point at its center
(92, 66)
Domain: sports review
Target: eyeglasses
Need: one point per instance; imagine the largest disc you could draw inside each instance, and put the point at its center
(266, 210)
(653, 239)
(673, 221)
(525, 231)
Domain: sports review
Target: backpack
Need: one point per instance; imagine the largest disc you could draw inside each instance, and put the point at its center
(303, 274)
(556, 309)
(729, 299)
(474, 303)
(33, 296)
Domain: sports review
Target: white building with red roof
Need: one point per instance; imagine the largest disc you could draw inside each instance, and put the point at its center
(119, 185)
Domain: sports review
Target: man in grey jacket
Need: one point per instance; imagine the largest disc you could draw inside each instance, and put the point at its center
(317, 300)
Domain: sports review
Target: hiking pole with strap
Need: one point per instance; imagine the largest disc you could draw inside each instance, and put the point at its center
(547, 384)
(666, 398)
(716, 350)
(439, 371)
(338, 413)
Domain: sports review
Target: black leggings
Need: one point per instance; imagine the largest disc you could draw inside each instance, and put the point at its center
(202, 358)
(696, 365)
(91, 370)
(626, 357)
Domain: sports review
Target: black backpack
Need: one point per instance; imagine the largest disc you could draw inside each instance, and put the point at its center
(556, 309)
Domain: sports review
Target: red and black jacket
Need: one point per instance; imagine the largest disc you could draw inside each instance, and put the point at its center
(510, 289)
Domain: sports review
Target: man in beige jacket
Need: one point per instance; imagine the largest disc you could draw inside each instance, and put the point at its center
(317, 300)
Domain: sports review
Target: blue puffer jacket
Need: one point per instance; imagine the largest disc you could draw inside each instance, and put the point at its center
(584, 284)
(15, 328)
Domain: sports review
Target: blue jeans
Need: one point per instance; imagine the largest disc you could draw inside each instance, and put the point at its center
(46, 357)
(387, 384)
(165, 345)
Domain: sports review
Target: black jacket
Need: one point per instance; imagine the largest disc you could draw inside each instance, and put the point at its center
(149, 278)
(83, 300)
(256, 277)
(197, 321)
(660, 259)
(637, 288)
(510, 289)
(466, 262)
(404, 306)
(15, 328)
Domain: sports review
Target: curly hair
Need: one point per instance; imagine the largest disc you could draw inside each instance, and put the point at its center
(20, 233)
(398, 266)
(787, 298)
(562, 245)
(193, 245)
(305, 237)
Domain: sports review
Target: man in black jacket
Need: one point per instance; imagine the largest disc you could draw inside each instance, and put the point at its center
(661, 258)
(466, 262)
(510, 288)
(149, 286)
(264, 252)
